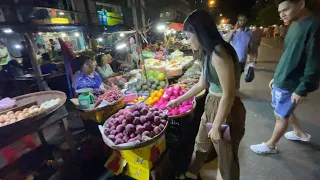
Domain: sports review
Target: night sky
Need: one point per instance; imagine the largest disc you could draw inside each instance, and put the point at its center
(232, 8)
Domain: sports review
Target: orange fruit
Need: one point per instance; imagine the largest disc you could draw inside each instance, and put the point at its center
(161, 90)
(156, 99)
(153, 95)
(159, 95)
(151, 102)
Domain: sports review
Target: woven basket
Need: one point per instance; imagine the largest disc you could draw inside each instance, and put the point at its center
(185, 114)
(37, 98)
(132, 146)
(101, 114)
(201, 94)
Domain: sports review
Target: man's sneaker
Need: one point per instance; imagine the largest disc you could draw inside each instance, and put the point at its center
(263, 149)
(293, 137)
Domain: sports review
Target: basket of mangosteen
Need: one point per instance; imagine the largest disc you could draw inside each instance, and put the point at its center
(134, 127)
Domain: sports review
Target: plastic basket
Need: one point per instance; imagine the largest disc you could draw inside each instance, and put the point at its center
(131, 146)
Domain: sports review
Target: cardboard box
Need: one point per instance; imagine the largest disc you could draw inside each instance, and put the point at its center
(146, 156)
(137, 172)
(115, 163)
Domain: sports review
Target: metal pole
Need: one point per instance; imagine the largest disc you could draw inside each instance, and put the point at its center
(134, 14)
(143, 17)
(35, 64)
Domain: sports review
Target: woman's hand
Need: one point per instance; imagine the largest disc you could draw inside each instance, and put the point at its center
(271, 84)
(173, 103)
(215, 134)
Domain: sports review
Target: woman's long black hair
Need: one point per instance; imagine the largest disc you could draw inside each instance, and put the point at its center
(204, 27)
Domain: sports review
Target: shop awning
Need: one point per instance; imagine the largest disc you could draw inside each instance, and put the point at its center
(176, 26)
(59, 28)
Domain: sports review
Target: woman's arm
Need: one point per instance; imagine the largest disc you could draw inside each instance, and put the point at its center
(196, 89)
(102, 73)
(225, 69)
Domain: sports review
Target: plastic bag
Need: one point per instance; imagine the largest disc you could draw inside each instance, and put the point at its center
(249, 72)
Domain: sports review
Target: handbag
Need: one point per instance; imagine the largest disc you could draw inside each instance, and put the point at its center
(224, 130)
(249, 72)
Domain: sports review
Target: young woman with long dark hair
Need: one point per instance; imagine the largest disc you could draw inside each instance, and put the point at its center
(221, 76)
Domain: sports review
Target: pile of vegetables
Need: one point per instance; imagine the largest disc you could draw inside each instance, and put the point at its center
(138, 123)
(111, 96)
(193, 73)
(117, 81)
(173, 93)
(98, 92)
(187, 83)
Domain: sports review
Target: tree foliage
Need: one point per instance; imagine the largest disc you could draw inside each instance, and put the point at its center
(269, 15)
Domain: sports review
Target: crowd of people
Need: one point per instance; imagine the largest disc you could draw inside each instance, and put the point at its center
(92, 72)
(297, 75)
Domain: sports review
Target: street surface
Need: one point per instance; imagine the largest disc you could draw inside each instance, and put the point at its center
(296, 161)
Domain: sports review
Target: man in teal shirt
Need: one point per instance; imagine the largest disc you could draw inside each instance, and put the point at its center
(297, 74)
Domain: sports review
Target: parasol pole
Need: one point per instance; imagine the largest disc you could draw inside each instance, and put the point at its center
(42, 85)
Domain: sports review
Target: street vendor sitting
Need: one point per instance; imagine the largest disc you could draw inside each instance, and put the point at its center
(87, 78)
(104, 69)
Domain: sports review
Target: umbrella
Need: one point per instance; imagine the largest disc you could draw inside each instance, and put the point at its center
(176, 26)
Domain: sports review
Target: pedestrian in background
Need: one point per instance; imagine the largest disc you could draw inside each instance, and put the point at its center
(4, 54)
(93, 43)
(297, 74)
(240, 38)
(221, 74)
(254, 44)
(276, 33)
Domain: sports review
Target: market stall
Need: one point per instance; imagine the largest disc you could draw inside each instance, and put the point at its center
(132, 116)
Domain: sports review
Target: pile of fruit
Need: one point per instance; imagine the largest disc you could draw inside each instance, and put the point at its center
(154, 84)
(137, 123)
(12, 117)
(156, 75)
(154, 97)
(140, 99)
(111, 96)
(187, 83)
(117, 81)
(173, 93)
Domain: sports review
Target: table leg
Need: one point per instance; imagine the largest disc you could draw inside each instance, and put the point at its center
(68, 137)
(42, 138)
(45, 144)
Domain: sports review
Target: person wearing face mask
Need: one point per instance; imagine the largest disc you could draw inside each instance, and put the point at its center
(221, 75)
(297, 74)
(240, 38)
